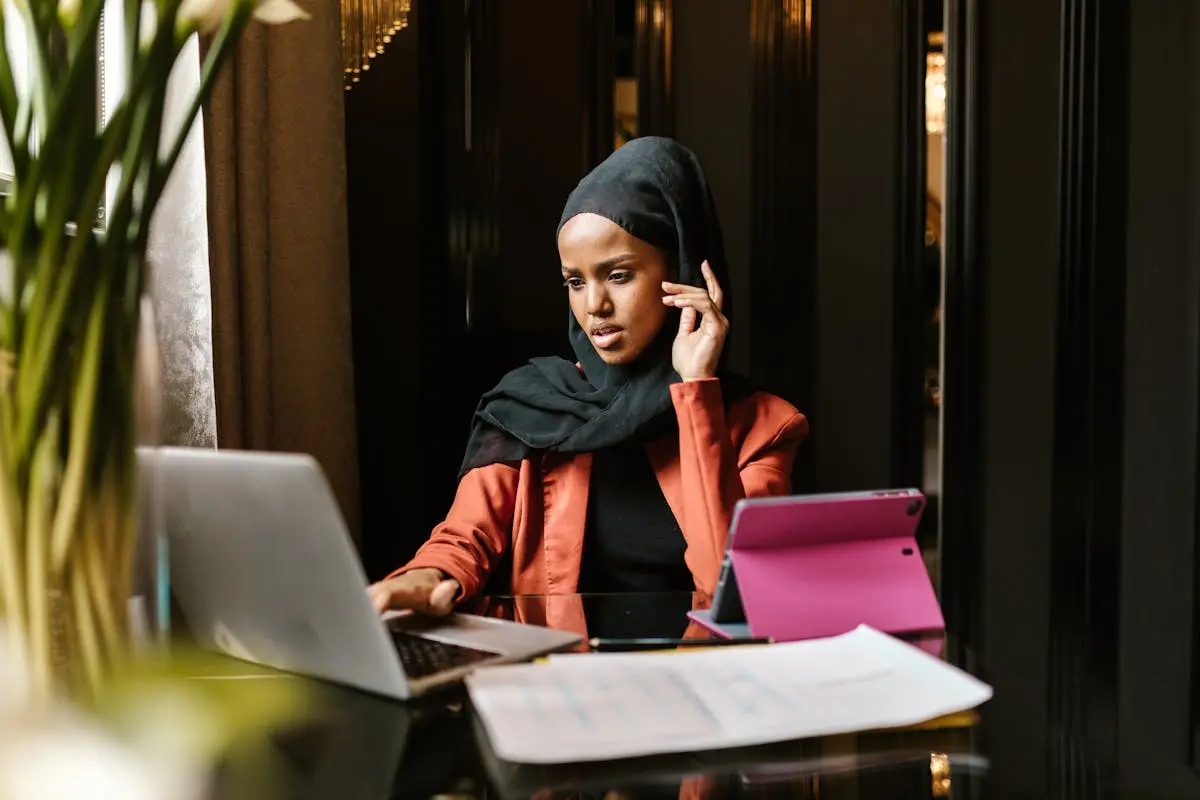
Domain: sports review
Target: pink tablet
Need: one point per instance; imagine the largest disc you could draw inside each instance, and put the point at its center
(809, 566)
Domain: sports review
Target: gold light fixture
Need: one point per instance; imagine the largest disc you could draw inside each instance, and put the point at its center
(935, 85)
(939, 770)
(367, 28)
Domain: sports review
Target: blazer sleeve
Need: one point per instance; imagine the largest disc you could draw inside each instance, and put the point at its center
(476, 532)
(715, 477)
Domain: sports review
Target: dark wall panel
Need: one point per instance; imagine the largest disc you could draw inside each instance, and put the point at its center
(541, 153)
(1017, 256)
(1072, 355)
(712, 70)
(857, 171)
(783, 244)
(1157, 570)
(386, 210)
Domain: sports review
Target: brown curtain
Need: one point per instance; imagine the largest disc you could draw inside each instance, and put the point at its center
(275, 153)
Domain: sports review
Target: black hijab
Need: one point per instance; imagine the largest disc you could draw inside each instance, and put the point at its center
(656, 190)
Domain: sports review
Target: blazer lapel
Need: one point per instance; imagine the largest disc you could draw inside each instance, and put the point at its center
(565, 487)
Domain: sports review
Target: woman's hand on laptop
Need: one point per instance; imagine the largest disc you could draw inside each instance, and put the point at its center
(428, 591)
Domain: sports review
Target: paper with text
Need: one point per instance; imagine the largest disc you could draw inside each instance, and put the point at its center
(603, 706)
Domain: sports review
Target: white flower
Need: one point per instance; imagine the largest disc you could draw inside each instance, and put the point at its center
(279, 12)
(204, 16)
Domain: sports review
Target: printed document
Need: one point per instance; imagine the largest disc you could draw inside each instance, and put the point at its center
(590, 707)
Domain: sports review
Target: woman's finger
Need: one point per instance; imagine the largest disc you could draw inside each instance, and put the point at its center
(381, 596)
(404, 593)
(680, 288)
(441, 599)
(397, 594)
(692, 292)
(687, 321)
(714, 323)
(714, 288)
(698, 300)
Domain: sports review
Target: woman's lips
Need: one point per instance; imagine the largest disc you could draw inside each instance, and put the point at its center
(606, 337)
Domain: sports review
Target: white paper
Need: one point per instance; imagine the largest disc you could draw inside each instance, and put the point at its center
(602, 706)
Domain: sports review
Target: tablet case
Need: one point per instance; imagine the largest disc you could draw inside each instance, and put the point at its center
(813, 566)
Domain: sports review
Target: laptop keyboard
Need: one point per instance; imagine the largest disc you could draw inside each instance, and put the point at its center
(423, 657)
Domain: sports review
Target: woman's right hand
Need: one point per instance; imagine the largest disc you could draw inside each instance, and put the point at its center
(428, 591)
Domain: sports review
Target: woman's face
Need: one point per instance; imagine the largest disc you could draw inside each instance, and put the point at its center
(614, 282)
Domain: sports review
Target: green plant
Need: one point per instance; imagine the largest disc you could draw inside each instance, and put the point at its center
(70, 306)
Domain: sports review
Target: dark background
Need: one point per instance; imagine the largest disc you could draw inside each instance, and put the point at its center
(454, 265)
(1072, 299)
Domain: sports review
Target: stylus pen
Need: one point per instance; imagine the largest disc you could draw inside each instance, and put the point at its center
(662, 644)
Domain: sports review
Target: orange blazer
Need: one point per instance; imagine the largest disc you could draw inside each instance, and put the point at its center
(537, 510)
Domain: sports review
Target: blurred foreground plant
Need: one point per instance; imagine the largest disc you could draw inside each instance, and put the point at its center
(155, 731)
(71, 298)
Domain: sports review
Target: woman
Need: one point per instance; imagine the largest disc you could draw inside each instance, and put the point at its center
(620, 472)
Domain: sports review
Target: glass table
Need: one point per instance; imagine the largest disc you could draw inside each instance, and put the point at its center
(357, 746)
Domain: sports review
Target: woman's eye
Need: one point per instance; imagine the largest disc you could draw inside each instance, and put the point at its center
(620, 277)
(573, 283)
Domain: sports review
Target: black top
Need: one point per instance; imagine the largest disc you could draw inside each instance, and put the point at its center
(632, 542)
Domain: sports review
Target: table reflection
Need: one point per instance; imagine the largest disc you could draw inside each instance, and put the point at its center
(609, 616)
(359, 746)
(636, 616)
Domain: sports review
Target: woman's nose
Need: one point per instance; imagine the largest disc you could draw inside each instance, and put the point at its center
(598, 300)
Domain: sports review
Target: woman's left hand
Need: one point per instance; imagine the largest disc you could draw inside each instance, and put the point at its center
(697, 350)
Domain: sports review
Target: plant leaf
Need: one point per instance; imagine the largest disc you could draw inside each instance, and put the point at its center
(68, 12)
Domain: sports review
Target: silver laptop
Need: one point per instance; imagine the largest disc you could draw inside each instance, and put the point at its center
(263, 569)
